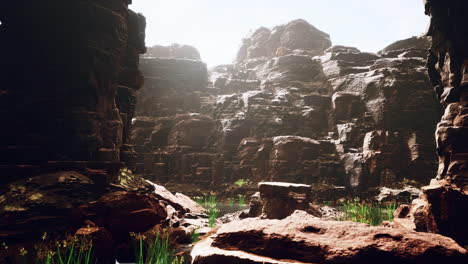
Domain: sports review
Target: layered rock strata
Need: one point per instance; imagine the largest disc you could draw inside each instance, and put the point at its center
(443, 205)
(61, 108)
(293, 108)
(70, 72)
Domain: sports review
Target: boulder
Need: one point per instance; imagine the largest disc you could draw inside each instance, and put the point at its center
(180, 202)
(404, 194)
(123, 212)
(442, 209)
(45, 202)
(101, 239)
(302, 238)
(281, 199)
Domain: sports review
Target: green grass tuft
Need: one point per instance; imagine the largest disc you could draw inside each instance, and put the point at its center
(372, 214)
(241, 200)
(155, 250)
(240, 182)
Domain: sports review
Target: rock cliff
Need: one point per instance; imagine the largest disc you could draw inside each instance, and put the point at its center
(292, 108)
(443, 205)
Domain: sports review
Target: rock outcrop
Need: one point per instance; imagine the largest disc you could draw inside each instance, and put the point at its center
(68, 95)
(61, 106)
(292, 108)
(302, 238)
(175, 51)
(280, 199)
(443, 205)
(297, 36)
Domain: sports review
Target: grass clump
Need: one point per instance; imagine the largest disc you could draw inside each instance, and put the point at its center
(241, 200)
(195, 235)
(209, 202)
(240, 182)
(231, 202)
(71, 250)
(212, 210)
(372, 214)
(155, 250)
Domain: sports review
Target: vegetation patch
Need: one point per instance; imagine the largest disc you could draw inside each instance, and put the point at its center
(372, 214)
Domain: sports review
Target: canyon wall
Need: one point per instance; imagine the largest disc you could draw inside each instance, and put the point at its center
(67, 98)
(70, 69)
(291, 108)
(443, 205)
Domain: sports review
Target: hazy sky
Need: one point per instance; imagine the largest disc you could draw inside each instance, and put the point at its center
(216, 27)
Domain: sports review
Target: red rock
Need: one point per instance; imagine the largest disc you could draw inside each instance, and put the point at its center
(123, 212)
(281, 199)
(102, 242)
(179, 201)
(442, 209)
(302, 238)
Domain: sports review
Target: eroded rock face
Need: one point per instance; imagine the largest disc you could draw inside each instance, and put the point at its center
(280, 199)
(297, 36)
(172, 86)
(302, 238)
(443, 205)
(292, 159)
(174, 51)
(183, 147)
(442, 209)
(124, 212)
(66, 93)
(296, 110)
(43, 203)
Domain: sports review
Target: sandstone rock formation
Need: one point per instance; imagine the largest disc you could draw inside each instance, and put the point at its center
(292, 108)
(302, 238)
(297, 36)
(70, 72)
(175, 51)
(280, 199)
(74, 56)
(443, 205)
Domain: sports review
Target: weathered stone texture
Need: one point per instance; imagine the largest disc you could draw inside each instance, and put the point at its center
(294, 109)
(63, 62)
(443, 205)
(302, 238)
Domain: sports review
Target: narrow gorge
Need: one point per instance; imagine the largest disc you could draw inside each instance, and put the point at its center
(115, 150)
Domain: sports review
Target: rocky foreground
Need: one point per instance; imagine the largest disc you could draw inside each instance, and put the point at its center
(303, 238)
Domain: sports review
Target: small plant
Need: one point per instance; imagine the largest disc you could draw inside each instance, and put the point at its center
(199, 200)
(241, 199)
(155, 250)
(195, 235)
(240, 182)
(212, 216)
(210, 204)
(390, 210)
(373, 214)
(72, 251)
(231, 202)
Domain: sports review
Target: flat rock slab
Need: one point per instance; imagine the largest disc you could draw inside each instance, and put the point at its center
(302, 238)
